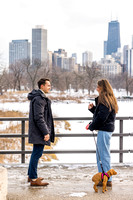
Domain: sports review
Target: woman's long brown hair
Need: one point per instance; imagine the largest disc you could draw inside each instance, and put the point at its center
(106, 95)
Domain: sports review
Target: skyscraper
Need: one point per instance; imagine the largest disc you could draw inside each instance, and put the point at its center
(18, 50)
(128, 60)
(74, 55)
(87, 57)
(39, 44)
(113, 42)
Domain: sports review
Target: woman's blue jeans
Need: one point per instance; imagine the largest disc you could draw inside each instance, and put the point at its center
(36, 154)
(103, 145)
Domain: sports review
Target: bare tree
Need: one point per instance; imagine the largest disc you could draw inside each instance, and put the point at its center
(79, 81)
(32, 71)
(92, 74)
(56, 79)
(45, 70)
(122, 81)
(4, 81)
(1, 84)
(67, 79)
(16, 73)
(128, 83)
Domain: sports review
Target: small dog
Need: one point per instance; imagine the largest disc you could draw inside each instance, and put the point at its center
(98, 177)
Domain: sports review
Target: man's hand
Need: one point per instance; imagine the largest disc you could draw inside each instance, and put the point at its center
(46, 137)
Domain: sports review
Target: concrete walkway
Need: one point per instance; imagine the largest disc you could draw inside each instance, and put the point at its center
(68, 182)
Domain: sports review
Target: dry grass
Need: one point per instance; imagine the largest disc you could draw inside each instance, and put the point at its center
(15, 144)
(13, 97)
(66, 98)
(18, 96)
(67, 126)
(11, 114)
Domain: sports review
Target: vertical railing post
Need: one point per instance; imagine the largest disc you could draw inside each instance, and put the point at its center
(121, 141)
(23, 141)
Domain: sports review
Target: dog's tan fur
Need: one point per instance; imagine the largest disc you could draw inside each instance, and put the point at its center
(97, 178)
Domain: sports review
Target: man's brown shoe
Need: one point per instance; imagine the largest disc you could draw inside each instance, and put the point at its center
(109, 183)
(38, 182)
(29, 179)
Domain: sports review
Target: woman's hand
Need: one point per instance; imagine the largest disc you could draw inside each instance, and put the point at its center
(87, 127)
(90, 106)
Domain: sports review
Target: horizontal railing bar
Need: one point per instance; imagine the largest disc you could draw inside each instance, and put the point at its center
(12, 135)
(48, 151)
(87, 118)
(14, 118)
(61, 151)
(59, 118)
(89, 134)
(122, 134)
(66, 135)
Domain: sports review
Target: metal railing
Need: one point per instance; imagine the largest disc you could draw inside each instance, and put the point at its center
(23, 135)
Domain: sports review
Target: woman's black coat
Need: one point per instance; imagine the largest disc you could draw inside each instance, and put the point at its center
(40, 118)
(103, 119)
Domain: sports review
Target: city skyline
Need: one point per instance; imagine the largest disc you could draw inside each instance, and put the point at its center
(76, 26)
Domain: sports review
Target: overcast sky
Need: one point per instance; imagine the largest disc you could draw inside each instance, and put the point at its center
(74, 25)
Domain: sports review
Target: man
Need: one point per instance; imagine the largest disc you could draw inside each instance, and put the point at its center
(41, 128)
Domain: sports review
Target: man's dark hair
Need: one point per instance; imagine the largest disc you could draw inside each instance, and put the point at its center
(42, 81)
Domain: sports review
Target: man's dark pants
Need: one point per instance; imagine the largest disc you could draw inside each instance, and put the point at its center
(36, 154)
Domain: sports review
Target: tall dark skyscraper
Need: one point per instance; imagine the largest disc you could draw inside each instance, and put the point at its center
(113, 42)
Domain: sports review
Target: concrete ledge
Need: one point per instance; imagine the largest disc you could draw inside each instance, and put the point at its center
(3, 183)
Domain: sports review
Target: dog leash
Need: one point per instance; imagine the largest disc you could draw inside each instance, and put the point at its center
(98, 154)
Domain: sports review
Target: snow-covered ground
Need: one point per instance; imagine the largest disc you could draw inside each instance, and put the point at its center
(72, 109)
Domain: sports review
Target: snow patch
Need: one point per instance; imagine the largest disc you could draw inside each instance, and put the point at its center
(79, 194)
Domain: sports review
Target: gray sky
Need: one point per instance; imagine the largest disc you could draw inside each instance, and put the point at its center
(75, 25)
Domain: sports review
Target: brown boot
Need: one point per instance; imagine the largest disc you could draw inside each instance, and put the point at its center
(29, 179)
(109, 183)
(100, 184)
(38, 182)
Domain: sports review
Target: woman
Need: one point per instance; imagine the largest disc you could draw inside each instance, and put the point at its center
(103, 121)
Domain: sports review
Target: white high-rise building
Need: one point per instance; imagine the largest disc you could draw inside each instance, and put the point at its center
(130, 71)
(125, 49)
(87, 57)
(39, 44)
(132, 41)
(128, 59)
(49, 59)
